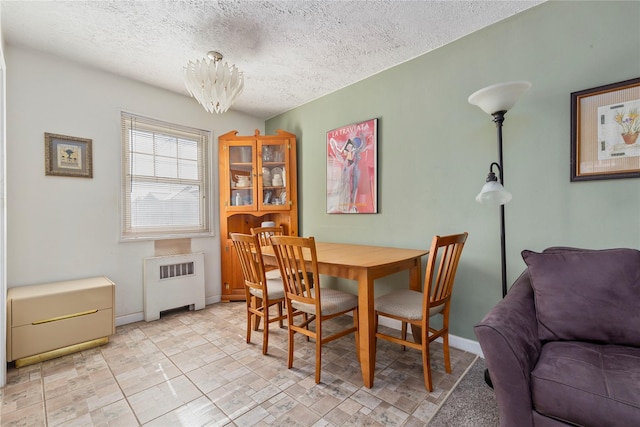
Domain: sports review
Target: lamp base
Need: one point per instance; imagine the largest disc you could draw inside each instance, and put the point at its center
(487, 378)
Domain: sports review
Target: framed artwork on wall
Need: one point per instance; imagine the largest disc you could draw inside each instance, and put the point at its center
(605, 129)
(352, 181)
(67, 156)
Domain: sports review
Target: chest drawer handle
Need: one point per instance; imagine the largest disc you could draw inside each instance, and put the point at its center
(66, 316)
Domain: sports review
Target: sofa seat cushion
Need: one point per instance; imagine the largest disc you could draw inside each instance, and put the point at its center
(590, 295)
(588, 384)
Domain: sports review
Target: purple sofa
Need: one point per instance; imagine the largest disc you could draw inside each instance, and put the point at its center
(563, 347)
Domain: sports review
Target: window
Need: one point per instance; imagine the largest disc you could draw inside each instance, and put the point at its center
(165, 179)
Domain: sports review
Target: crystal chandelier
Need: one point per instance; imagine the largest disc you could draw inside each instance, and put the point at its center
(215, 85)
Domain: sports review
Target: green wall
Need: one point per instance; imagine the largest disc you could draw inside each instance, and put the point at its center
(434, 148)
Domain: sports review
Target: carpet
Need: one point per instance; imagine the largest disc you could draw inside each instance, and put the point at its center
(472, 402)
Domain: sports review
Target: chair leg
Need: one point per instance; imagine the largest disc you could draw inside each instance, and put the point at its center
(404, 335)
(291, 332)
(306, 320)
(445, 346)
(375, 339)
(318, 351)
(357, 334)
(280, 314)
(265, 332)
(426, 366)
(256, 323)
(249, 317)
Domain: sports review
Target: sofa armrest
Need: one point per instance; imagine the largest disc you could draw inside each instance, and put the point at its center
(508, 336)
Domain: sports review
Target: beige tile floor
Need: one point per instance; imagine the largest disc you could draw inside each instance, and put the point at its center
(194, 368)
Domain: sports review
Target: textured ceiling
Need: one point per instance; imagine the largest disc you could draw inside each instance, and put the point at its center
(291, 52)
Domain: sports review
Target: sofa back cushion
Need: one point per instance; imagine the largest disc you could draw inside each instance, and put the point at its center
(587, 295)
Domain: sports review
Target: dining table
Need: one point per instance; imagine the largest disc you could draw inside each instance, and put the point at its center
(364, 264)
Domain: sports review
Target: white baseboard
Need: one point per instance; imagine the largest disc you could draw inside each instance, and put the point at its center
(137, 317)
(465, 344)
(129, 318)
(212, 300)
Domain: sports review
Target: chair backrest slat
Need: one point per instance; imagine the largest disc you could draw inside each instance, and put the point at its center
(442, 265)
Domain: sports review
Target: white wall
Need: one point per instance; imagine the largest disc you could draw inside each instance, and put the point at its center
(63, 228)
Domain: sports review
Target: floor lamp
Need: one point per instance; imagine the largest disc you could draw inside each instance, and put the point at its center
(496, 100)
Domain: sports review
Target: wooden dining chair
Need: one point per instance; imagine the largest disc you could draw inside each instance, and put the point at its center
(264, 234)
(297, 260)
(261, 292)
(416, 308)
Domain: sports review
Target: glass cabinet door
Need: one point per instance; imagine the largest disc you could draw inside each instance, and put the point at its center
(241, 174)
(273, 179)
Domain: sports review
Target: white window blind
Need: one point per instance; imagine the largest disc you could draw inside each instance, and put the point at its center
(165, 176)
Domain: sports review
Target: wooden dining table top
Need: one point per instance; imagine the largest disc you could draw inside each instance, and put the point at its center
(356, 255)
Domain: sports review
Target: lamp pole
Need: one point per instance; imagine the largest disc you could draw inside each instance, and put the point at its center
(498, 118)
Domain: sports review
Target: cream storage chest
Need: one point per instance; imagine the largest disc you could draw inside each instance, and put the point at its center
(53, 319)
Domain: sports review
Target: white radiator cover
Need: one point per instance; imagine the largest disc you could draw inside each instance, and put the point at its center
(173, 281)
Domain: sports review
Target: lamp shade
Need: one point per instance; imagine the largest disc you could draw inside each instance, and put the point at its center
(493, 193)
(499, 97)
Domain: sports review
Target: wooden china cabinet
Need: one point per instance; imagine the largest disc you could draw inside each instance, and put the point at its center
(258, 183)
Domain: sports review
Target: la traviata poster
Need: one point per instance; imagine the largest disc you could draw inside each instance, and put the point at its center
(351, 168)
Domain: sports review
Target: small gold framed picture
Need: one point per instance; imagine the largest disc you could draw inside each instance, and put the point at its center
(67, 156)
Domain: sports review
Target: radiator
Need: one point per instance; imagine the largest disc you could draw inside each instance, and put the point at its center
(171, 282)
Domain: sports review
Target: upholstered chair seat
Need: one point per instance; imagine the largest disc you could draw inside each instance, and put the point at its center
(332, 301)
(406, 303)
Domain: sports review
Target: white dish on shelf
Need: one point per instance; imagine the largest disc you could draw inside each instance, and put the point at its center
(276, 170)
(243, 181)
